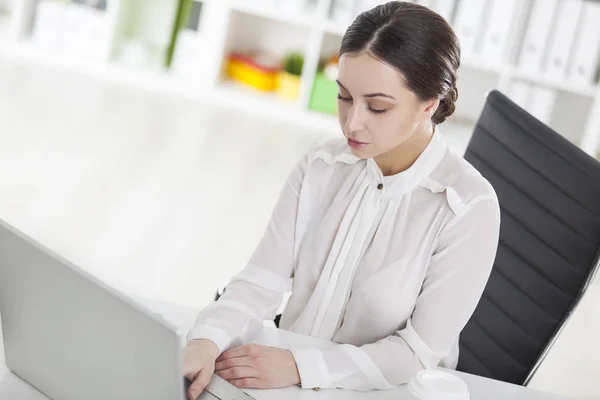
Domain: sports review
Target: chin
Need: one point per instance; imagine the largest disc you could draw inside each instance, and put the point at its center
(360, 153)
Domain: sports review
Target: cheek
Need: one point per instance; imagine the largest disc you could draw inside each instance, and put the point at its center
(342, 111)
(391, 130)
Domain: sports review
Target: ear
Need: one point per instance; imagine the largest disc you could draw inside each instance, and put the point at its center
(429, 107)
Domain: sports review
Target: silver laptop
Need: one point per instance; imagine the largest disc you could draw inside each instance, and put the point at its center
(74, 338)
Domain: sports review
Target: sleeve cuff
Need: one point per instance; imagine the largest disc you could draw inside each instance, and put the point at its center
(218, 336)
(312, 368)
(427, 357)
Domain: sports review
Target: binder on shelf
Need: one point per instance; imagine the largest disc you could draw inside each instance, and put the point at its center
(426, 3)
(536, 35)
(342, 11)
(518, 91)
(497, 30)
(5, 15)
(445, 8)
(540, 103)
(468, 25)
(5, 7)
(187, 48)
(365, 5)
(562, 37)
(86, 33)
(182, 16)
(259, 4)
(586, 51)
(292, 6)
(50, 17)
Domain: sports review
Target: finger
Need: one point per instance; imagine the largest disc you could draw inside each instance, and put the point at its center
(237, 373)
(247, 383)
(190, 374)
(242, 351)
(233, 362)
(190, 367)
(199, 384)
(190, 371)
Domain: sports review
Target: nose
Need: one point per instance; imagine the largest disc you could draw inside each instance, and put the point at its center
(355, 119)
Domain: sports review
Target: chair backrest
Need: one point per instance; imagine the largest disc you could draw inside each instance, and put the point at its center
(549, 194)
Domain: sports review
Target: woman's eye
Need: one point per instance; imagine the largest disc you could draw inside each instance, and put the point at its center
(349, 100)
(375, 111)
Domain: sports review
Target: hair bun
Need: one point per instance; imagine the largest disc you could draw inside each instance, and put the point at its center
(447, 105)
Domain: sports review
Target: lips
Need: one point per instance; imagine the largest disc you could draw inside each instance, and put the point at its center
(356, 144)
(357, 141)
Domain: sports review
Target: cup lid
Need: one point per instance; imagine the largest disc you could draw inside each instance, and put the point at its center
(436, 384)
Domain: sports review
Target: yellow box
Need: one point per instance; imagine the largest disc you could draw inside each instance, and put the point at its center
(289, 85)
(244, 69)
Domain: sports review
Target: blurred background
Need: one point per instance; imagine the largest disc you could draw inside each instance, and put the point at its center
(147, 140)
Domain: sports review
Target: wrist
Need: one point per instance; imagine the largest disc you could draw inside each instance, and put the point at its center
(210, 347)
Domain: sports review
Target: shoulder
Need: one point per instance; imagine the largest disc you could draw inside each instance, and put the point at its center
(463, 184)
(331, 151)
(319, 159)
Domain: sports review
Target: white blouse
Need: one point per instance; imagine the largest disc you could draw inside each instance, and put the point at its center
(389, 267)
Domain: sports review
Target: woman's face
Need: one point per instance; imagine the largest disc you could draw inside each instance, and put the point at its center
(377, 112)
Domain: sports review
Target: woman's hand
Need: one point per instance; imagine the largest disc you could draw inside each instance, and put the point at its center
(258, 367)
(199, 359)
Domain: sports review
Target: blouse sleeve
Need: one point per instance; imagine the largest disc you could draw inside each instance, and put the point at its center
(255, 294)
(456, 277)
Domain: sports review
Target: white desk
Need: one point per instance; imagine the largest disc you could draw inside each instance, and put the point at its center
(13, 388)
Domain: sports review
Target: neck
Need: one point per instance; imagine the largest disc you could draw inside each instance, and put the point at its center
(404, 156)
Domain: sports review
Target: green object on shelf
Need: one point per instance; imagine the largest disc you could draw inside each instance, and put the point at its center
(184, 8)
(293, 63)
(324, 95)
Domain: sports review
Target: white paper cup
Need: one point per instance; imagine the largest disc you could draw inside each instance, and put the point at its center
(433, 384)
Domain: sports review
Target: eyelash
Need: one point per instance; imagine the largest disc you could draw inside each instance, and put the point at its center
(347, 100)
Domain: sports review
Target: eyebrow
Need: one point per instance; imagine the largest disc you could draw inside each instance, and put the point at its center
(370, 95)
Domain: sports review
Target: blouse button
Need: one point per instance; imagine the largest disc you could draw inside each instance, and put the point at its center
(380, 186)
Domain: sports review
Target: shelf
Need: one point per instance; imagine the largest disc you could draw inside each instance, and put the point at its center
(228, 93)
(269, 105)
(473, 63)
(157, 81)
(563, 85)
(241, 24)
(539, 79)
(255, 98)
(302, 19)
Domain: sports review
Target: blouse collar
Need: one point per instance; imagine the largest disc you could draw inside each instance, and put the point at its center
(407, 180)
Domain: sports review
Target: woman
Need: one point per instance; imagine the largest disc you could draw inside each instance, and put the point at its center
(385, 238)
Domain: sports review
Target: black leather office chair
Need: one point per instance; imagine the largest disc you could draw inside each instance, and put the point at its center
(549, 193)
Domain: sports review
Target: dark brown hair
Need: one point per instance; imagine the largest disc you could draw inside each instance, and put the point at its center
(417, 42)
